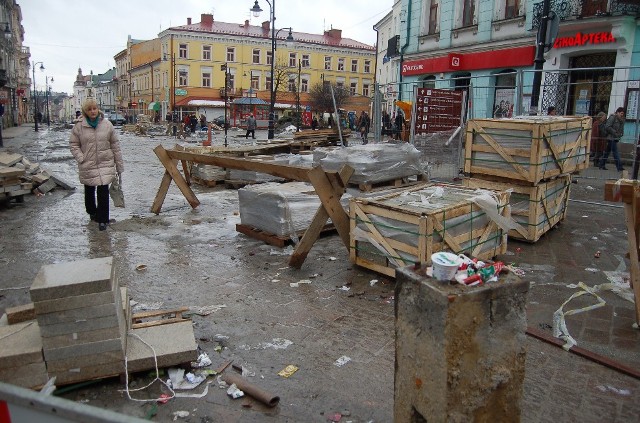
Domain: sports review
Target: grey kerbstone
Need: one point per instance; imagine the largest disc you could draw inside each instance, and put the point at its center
(73, 278)
(174, 344)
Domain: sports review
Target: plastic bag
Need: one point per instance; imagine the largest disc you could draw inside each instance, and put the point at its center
(115, 191)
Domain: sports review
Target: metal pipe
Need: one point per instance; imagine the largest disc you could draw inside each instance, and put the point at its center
(249, 388)
(539, 60)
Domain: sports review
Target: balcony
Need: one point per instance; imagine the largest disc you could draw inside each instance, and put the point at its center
(579, 9)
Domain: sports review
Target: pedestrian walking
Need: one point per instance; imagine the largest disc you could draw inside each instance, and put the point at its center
(251, 127)
(613, 131)
(95, 146)
(398, 125)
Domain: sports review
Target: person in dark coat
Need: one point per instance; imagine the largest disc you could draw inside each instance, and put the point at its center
(613, 131)
(193, 122)
(398, 125)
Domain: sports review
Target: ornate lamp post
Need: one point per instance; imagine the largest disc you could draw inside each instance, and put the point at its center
(47, 90)
(256, 12)
(35, 93)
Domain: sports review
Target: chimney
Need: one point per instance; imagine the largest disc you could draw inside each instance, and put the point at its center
(266, 25)
(334, 33)
(246, 23)
(206, 18)
(188, 21)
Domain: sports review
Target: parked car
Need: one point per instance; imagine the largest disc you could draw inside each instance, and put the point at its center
(117, 119)
(219, 121)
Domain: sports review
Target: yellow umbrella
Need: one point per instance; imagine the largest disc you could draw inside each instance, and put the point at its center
(405, 106)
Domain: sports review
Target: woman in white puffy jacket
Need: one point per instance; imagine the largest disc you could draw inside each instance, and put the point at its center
(95, 146)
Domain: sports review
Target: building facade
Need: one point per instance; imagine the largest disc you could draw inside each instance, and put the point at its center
(197, 59)
(15, 82)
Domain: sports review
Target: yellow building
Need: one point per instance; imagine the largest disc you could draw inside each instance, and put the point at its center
(192, 60)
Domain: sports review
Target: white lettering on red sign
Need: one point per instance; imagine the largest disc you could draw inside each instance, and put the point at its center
(408, 68)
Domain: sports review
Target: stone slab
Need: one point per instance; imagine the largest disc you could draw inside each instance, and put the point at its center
(20, 344)
(174, 344)
(10, 172)
(62, 183)
(90, 348)
(70, 303)
(31, 381)
(84, 360)
(69, 279)
(23, 370)
(77, 338)
(81, 374)
(77, 326)
(9, 159)
(84, 313)
(21, 313)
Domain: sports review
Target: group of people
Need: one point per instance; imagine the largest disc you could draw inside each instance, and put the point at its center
(605, 136)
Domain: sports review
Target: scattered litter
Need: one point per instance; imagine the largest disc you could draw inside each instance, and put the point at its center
(559, 325)
(288, 371)
(275, 280)
(372, 282)
(177, 379)
(297, 284)
(332, 259)
(147, 307)
(335, 417)
(594, 238)
(342, 361)
(592, 270)
(282, 252)
(140, 267)
(276, 344)
(220, 338)
(164, 398)
(206, 310)
(597, 254)
(234, 392)
(585, 216)
(180, 414)
(344, 288)
(203, 361)
(315, 275)
(609, 388)
(589, 187)
(200, 395)
(619, 284)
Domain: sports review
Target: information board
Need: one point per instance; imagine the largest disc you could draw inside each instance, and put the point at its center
(437, 110)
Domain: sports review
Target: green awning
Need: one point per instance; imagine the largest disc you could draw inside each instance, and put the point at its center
(155, 105)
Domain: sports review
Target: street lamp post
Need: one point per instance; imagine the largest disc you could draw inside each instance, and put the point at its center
(256, 12)
(298, 97)
(35, 93)
(225, 68)
(46, 87)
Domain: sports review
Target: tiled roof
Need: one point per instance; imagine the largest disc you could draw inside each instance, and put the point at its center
(224, 28)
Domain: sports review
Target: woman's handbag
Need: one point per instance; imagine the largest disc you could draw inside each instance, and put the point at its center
(115, 191)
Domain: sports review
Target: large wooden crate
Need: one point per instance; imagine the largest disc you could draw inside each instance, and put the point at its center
(529, 150)
(536, 209)
(405, 228)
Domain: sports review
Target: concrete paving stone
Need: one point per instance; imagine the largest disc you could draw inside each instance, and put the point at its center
(23, 370)
(31, 381)
(80, 337)
(84, 360)
(173, 344)
(84, 325)
(73, 302)
(81, 374)
(68, 279)
(85, 313)
(20, 344)
(20, 313)
(77, 350)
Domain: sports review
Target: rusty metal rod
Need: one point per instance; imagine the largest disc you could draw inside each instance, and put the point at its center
(249, 388)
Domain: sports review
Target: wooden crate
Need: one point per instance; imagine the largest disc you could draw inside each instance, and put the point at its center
(404, 228)
(536, 209)
(529, 150)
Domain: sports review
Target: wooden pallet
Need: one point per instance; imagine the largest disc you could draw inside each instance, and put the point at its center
(536, 209)
(157, 317)
(392, 183)
(276, 240)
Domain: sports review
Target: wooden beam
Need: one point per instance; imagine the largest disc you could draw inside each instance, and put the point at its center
(162, 193)
(170, 166)
(295, 173)
(630, 217)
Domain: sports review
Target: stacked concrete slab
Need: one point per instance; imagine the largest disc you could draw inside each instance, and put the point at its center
(21, 361)
(78, 308)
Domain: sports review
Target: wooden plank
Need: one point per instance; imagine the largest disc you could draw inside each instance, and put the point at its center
(629, 217)
(158, 322)
(170, 166)
(380, 239)
(155, 313)
(620, 190)
(162, 193)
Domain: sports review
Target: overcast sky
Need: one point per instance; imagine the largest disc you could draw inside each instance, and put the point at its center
(68, 34)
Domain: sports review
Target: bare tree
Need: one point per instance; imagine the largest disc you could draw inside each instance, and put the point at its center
(320, 96)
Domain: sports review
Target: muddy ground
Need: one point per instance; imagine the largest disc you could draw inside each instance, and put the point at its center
(195, 258)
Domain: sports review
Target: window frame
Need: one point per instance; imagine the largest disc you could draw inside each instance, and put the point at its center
(256, 54)
(231, 54)
(206, 51)
(183, 51)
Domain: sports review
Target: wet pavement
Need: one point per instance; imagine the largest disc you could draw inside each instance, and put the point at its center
(196, 258)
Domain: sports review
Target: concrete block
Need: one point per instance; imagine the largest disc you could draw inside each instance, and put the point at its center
(174, 344)
(89, 348)
(80, 374)
(23, 370)
(84, 313)
(31, 381)
(77, 301)
(77, 326)
(73, 278)
(21, 313)
(460, 351)
(9, 159)
(84, 360)
(46, 187)
(20, 344)
(77, 338)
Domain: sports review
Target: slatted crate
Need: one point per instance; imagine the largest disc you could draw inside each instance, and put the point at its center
(536, 209)
(405, 228)
(529, 150)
